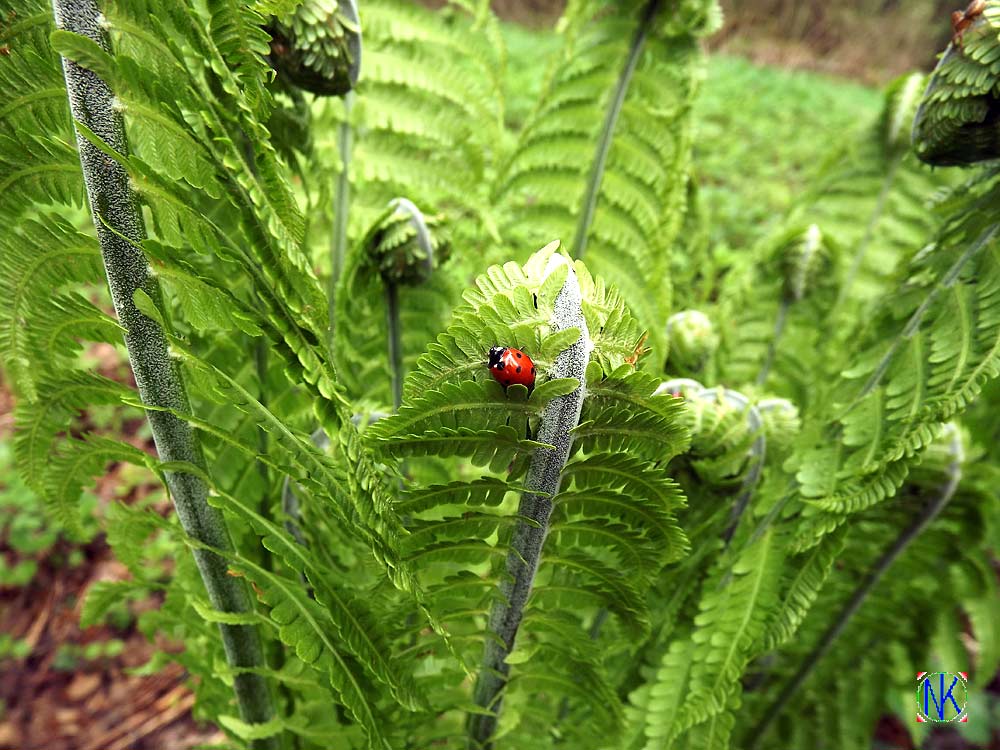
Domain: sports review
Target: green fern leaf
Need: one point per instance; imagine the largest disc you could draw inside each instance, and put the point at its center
(304, 626)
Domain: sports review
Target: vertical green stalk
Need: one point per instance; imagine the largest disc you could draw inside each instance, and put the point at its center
(415, 217)
(863, 589)
(795, 289)
(260, 363)
(772, 348)
(395, 341)
(608, 130)
(118, 221)
(558, 420)
(341, 208)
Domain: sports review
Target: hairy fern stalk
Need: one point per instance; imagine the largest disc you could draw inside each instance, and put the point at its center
(687, 534)
(557, 422)
(120, 232)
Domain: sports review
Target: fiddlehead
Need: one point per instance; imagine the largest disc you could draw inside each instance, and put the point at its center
(692, 341)
(318, 47)
(958, 121)
(392, 274)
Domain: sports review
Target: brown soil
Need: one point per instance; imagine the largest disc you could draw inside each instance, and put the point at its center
(868, 41)
(51, 705)
(51, 700)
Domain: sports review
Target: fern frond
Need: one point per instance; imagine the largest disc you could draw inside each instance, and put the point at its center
(623, 409)
(73, 466)
(60, 401)
(920, 380)
(29, 277)
(352, 622)
(615, 591)
(800, 590)
(304, 626)
(955, 124)
(738, 612)
(588, 163)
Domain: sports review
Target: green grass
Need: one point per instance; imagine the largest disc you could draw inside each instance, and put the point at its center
(760, 132)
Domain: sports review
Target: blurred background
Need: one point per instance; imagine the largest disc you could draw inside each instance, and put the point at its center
(870, 40)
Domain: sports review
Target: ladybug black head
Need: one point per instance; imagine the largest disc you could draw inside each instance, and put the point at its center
(496, 352)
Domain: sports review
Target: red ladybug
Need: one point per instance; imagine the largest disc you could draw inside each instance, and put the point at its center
(510, 365)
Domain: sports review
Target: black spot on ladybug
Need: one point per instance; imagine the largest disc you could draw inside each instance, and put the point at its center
(500, 366)
(518, 355)
(519, 368)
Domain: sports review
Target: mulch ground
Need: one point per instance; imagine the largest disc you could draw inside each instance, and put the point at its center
(90, 705)
(54, 699)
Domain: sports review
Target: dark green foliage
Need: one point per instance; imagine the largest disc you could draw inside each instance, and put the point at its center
(318, 47)
(957, 121)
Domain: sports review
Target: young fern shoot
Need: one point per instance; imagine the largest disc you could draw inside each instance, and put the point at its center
(560, 418)
(137, 300)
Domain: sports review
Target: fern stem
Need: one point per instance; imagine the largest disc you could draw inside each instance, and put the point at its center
(608, 130)
(395, 342)
(918, 315)
(120, 230)
(862, 590)
(560, 417)
(341, 208)
(772, 347)
(395, 328)
(859, 255)
(260, 363)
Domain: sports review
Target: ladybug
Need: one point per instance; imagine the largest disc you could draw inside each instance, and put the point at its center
(509, 366)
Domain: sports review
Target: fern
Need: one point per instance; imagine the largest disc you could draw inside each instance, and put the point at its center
(604, 158)
(636, 552)
(443, 395)
(954, 124)
(893, 560)
(303, 626)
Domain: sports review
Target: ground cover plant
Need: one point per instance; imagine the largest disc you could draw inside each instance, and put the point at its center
(748, 495)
